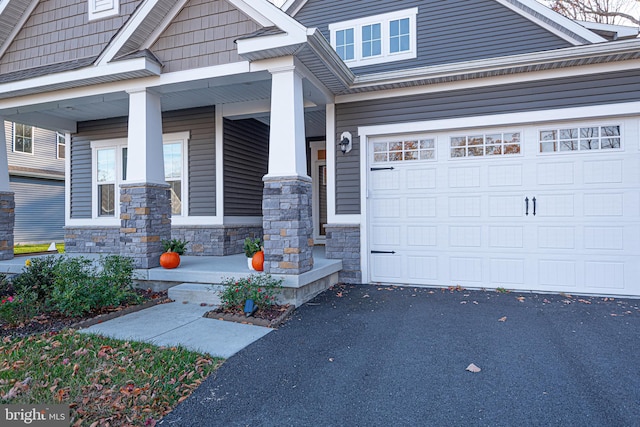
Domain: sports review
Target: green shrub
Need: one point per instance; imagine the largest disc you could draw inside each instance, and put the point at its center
(18, 308)
(80, 287)
(261, 288)
(38, 275)
(251, 246)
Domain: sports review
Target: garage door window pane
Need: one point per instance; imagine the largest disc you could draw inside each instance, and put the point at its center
(399, 151)
(494, 144)
(580, 139)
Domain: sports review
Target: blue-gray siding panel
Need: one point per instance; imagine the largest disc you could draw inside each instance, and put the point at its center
(448, 31)
(200, 122)
(39, 214)
(246, 160)
(568, 92)
(45, 155)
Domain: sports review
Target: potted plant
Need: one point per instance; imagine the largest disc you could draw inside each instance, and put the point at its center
(172, 250)
(251, 247)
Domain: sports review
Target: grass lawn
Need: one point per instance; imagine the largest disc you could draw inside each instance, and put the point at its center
(28, 249)
(102, 380)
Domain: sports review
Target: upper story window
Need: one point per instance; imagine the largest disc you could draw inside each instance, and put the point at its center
(22, 138)
(61, 145)
(376, 39)
(99, 9)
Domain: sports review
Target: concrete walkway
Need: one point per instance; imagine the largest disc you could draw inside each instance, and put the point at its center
(175, 324)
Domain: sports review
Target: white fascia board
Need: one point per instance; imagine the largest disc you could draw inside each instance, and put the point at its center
(522, 118)
(166, 21)
(120, 86)
(258, 13)
(18, 26)
(621, 30)
(46, 121)
(126, 31)
(119, 67)
(570, 25)
(491, 81)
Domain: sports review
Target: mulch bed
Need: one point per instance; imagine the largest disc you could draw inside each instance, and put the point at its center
(54, 322)
(270, 317)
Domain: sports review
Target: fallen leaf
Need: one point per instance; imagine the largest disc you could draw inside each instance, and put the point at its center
(331, 359)
(502, 319)
(339, 294)
(473, 368)
(584, 301)
(521, 299)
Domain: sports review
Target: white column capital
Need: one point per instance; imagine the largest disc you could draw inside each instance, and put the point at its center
(4, 163)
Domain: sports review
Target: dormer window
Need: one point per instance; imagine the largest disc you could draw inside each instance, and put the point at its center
(99, 9)
(376, 39)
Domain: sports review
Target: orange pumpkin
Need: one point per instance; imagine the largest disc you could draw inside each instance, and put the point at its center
(258, 261)
(170, 260)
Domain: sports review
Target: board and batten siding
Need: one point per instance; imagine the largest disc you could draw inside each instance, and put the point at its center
(447, 31)
(39, 211)
(200, 122)
(45, 151)
(60, 31)
(246, 161)
(203, 34)
(599, 89)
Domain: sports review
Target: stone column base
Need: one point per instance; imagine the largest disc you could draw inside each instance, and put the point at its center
(288, 225)
(7, 222)
(343, 242)
(145, 217)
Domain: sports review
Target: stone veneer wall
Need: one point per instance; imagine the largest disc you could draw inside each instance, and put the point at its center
(145, 217)
(7, 223)
(288, 225)
(343, 242)
(215, 240)
(95, 240)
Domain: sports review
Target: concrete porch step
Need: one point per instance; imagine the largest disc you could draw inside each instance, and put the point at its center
(196, 293)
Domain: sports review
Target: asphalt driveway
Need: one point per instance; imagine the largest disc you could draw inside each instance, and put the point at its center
(389, 356)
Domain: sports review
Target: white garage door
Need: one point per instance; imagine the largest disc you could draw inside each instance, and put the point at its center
(550, 208)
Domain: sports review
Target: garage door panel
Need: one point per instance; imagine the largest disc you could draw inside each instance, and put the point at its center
(420, 268)
(421, 207)
(604, 238)
(421, 178)
(604, 204)
(465, 269)
(387, 267)
(604, 274)
(422, 236)
(506, 206)
(465, 236)
(505, 175)
(555, 173)
(465, 206)
(550, 206)
(386, 236)
(556, 237)
(385, 180)
(386, 208)
(506, 237)
(464, 177)
(507, 271)
(557, 273)
(603, 172)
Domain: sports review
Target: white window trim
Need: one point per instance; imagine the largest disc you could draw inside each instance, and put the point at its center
(119, 144)
(384, 20)
(95, 13)
(58, 144)
(13, 140)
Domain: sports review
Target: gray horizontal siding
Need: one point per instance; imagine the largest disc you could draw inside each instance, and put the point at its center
(518, 97)
(448, 31)
(39, 213)
(80, 180)
(200, 122)
(44, 155)
(246, 160)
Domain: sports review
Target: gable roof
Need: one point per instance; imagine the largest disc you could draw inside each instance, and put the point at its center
(13, 15)
(529, 9)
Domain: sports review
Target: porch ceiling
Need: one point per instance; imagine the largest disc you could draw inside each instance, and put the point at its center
(63, 115)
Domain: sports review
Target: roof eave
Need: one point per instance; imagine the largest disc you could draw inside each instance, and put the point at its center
(116, 71)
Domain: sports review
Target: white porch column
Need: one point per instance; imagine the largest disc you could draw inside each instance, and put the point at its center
(145, 158)
(287, 151)
(145, 202)
(4, 163)
(7, 201)
(286, 203)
